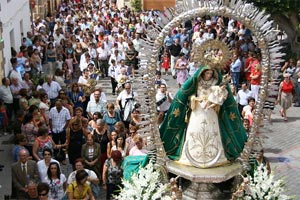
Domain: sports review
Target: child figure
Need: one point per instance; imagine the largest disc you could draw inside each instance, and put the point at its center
(59, 62)
(3, 117)
(69, 61)
(166, 62)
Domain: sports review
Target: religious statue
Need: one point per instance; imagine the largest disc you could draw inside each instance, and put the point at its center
(202, 127)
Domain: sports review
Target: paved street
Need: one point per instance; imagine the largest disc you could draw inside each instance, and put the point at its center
(281, 145)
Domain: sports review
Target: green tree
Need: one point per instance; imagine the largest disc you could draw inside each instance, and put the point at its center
(136, 5)
(286, 14)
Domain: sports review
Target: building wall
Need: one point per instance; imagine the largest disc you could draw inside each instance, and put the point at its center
(15, 19)
(157, 4)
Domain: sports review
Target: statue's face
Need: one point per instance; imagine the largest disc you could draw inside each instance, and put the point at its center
(208, 75)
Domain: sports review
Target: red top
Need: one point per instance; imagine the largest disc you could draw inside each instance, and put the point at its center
(287, 87)
(166, 62)
(257, 80)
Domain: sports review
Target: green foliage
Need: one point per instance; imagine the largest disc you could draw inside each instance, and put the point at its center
(136, 5)
(277, 6)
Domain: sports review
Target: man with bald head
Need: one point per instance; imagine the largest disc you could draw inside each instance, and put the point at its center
(23, 172)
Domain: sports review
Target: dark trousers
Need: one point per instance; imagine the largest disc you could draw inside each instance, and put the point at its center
(114, 84)
(16, 106)
(59, 138)
(112, 189)
(103, 64)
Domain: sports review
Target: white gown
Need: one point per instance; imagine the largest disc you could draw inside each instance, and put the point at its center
(203, 146)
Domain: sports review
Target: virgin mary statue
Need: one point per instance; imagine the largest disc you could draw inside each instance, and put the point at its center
(203, 127)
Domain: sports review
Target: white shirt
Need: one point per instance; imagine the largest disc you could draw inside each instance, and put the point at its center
(52, 90)
(91, 173)
(242, 97)
(42, 168)
(94, 106)
(102, 53)
(124, 95)
(59, 119)
(166, 104)
(5, 94)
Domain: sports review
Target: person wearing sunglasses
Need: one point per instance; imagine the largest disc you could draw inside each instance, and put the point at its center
(43, 191)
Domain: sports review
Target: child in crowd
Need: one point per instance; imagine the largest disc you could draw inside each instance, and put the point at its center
(166, 62)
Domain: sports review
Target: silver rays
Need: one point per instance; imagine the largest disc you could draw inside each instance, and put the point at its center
(254, 19)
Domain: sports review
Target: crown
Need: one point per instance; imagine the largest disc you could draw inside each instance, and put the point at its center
(212, 53)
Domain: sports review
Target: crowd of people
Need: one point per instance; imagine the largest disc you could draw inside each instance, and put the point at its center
(51, 102)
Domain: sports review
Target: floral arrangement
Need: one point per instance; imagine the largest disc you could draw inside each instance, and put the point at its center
(145, 185)
(261, 186)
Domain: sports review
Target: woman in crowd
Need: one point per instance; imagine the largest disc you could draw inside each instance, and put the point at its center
(111, 117)
(56, 180)
(44, 163)
(130, 55)
(76, 96)
(91, 154)
(112, 174)
(120, 145)
(75, 139)
(23, 102)
(285, 95)
(120, 128)
(43, 191)
(255, 77)
(45, 107)
(135, 117)
(29, 130)
(247, 112)
(181, 67)
(129, 140)
(101, 136)
(43, 141)
(137, 149)
(38, 119)
(93, 122)
(79, 189)
(51, 57)
(112, 143)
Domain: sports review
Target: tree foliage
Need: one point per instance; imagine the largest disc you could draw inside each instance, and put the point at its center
(283, 7)
(136, 5)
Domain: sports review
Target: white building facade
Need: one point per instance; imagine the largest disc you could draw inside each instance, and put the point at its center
(16, 22)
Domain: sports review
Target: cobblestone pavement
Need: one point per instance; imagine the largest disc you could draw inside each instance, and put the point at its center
(281, 144)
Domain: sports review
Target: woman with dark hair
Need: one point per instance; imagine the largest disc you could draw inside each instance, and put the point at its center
(43, 190)
(76, 96)
(38, 119)
(181, 67)
(43, 164)
(45, 106)
(111, 117)
(75, 139)
(51, 57)
(29, 130)
(120, 128)
(23, 103)
(112, 174)
(101, 136)
(93, 122)
(56, 180)
(79, 189)
(91, 154)
(43, 141)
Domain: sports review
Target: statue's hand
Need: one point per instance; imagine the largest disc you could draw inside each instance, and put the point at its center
(193, 102)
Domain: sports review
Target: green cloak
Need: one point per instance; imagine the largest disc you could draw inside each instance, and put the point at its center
(173, 128)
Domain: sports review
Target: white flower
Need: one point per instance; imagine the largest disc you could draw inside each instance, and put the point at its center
(144, 185)
(263, 186)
